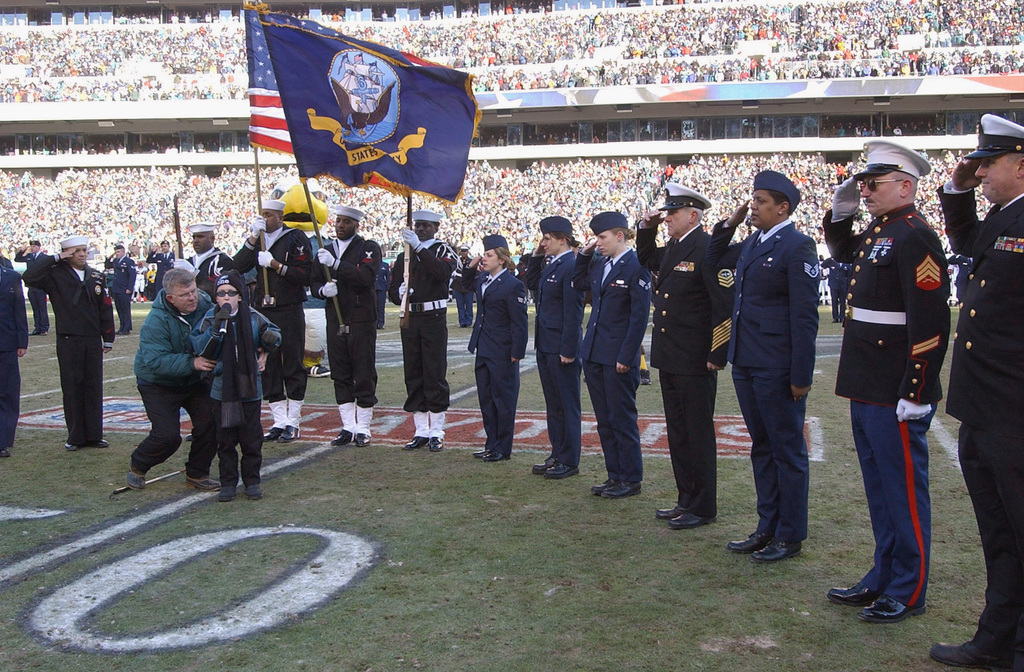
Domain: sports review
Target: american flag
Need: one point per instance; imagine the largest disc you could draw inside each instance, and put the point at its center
(267, 125)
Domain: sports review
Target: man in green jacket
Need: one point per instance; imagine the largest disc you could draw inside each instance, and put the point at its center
(170, 377)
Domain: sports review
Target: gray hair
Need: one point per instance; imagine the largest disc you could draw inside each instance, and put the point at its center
(178, 277)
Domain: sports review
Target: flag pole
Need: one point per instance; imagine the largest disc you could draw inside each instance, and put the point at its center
(404, 321)
(268, 300)
(320, 243)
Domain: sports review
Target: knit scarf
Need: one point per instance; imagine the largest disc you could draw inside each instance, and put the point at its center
(238, 379)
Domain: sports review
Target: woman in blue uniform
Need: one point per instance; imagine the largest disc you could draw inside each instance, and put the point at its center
(499, 341)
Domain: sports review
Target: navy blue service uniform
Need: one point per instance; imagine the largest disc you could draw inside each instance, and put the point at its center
(164, 262)
(558, 333)
(13, 337)
(692, 320)
(36, 297)
(122, 288)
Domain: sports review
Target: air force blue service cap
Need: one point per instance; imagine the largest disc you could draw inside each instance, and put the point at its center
(997, 136)
(604, 221)
(773, 181)
(556, 225)
(494, 241)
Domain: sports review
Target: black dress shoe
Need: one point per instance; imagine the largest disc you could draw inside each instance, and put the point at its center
(36, 333)
(495, 457)
(273, 434)
(776, 551)
(857, 596)
(967, 655)
(480, 453)
(621, 489)
(436, 444)
(669, 514)
(559, 471)
(71, 447)
(289, 434)
(417, 442)
(343, 439)
(754, 542)
(97, 444)
(539, 469)
(362, 440)
(598, 489)
(888, 610)
(688, 521)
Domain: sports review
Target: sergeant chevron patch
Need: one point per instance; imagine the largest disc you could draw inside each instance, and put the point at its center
(725, 278)
(924, 346)
(928, 274)
(720, 336)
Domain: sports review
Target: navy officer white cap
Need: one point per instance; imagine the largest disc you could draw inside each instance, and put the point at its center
(346, 211)
(886, 156)
(997, 136)
(678, 196)
(426, 216)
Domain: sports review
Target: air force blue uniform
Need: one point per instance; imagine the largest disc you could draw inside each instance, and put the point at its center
(37, 297)
(122, 288)
(558, 331)
(774, 324)
(499, 341)
(13, 336)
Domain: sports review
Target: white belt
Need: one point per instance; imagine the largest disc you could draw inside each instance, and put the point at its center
(429, 305)
(875, 316)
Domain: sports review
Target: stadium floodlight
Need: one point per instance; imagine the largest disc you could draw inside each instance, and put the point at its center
(624, 108)
(220, 122)
(105, 124)
(751, 104)
(1016, 98)
(881, 100)
(504, 114)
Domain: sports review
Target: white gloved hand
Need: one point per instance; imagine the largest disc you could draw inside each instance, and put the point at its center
(401, 289)
(410, 237)
(264, 258)
(908, 410)
(184, 264)
(846, 200)
(329, 289)
(258, 226)
(325, 258)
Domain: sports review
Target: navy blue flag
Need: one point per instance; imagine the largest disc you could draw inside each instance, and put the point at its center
(369, 115)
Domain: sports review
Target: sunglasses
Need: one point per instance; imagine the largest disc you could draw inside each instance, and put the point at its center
(872, 184)
(227, 292)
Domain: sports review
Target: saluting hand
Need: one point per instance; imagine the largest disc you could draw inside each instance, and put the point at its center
(589, 249)
(964, 175)
(738, 215)
(475, 261)
(652, 218)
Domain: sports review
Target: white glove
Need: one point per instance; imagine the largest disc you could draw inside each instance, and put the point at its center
(410, 237)
(329, 289)
(908, 410)
(258, 226)
(401, 289)
(325, 257)
(264, 258)
(184, 264)
(845, 200)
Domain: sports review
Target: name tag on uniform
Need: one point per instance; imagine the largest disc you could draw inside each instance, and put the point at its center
(551, 280)
(685, 266)
(1008, 244)
(618, 282)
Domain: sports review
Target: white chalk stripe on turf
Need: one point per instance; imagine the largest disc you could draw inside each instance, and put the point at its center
(13, 513)
(948, 442)
(55, 555)
(61, 617)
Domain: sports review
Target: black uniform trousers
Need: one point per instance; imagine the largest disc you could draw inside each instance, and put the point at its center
(425, 352)
(123, 304)
(993, 467)
(838, 291)
(353, 358)
(613, 395)
(248, 438)
(163, 408)
(10, 397)
(778, 454)
(690, 423)
(40, 318)
(382, 302)
(80, 359)
(284, 376)
(561, 386)
(497, 385)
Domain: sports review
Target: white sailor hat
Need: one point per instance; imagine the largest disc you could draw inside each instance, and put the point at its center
(345, 211)
(886, 156)
(997, 136)
(426, 216)
(677, 196)
(202, 227)
(74, 241)
(273, 204)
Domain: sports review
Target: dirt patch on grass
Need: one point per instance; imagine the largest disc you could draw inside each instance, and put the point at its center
(740, 645)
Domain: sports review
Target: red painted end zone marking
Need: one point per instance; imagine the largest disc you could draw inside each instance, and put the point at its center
(393, 426)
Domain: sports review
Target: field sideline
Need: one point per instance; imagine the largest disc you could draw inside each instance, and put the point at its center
(377, 559)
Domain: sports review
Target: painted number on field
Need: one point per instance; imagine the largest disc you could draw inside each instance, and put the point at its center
(62, 617)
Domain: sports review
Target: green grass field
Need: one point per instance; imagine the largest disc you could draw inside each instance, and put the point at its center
(471, 566)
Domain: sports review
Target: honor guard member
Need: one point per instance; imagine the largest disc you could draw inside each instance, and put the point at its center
(771, 349)
(557, 335)
(986, 382)
(689, 345)
(209, 262)
(13, 344)
(351, 347)
(499, 342)
(85, 330)
(425, 339)
(620, 291)
(164, 260)
(289, 262)
(36, 297)
(122, 288)
(895, 339)
(463, 294)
